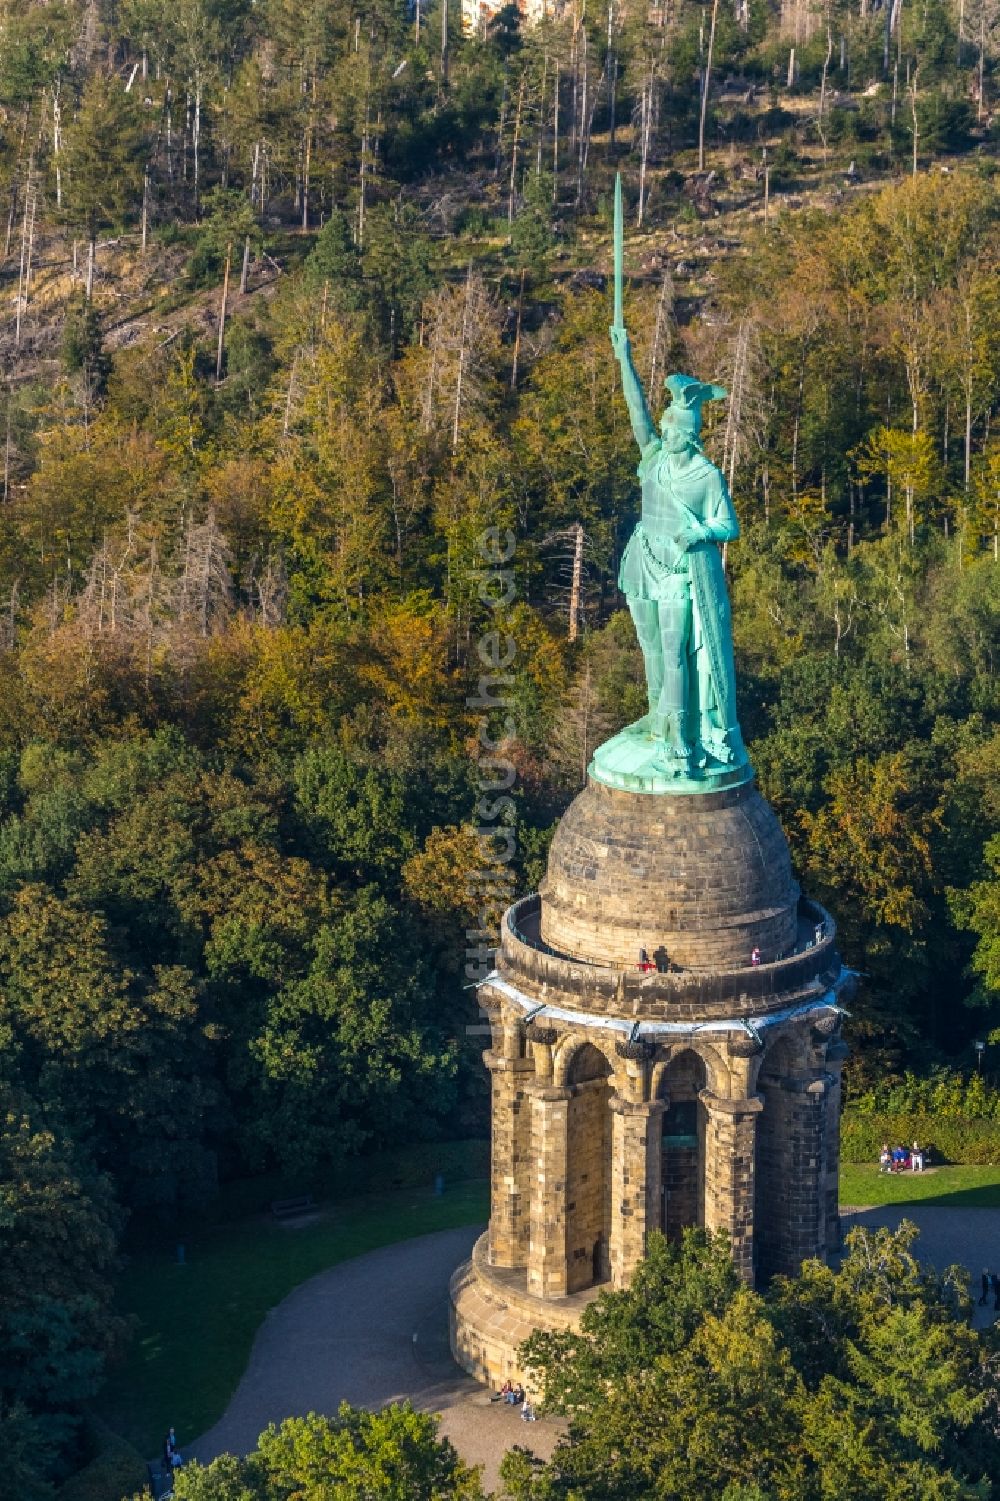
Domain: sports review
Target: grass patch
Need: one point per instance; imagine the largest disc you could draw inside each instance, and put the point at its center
(195, 1323)
(954, 1187)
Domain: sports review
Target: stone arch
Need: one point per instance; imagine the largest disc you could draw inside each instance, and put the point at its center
(589, 1076)
(716, 1069)
(681, 1083)
(784, 1053)
(566, 1051)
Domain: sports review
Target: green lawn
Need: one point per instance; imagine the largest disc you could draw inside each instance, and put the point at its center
(195, 1323)
(957, 1187)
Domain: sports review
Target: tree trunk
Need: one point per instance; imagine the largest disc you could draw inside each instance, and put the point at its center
(11, 215)
(307, 163)
(706, 85)
(574, 594)
(513, 158)
(461, 363)
(57, 142)
(612, 66)
(555, 140)
(822, 89)
(196, 143)
(580, 128)
(517, 331)
(91, 257)
(221, 350)
(664, 307)
(21, 280)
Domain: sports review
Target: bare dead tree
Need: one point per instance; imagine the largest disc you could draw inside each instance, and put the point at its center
(203, 593)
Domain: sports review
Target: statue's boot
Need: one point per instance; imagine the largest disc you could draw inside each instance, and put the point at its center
(674, 753)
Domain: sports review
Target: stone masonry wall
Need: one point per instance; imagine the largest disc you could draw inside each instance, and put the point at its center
(730, 1182)
(791, 1200)
(510, 1160)
(588, 1185)
(705, 878)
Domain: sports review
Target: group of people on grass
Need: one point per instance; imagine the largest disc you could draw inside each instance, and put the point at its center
(901, 1159)
(514, 1394)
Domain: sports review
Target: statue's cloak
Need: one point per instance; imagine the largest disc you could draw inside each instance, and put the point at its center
(649, 570)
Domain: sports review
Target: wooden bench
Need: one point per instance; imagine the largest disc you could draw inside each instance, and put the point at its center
(287, 1209)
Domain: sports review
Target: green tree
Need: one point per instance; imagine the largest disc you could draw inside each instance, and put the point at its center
(103, 162)
(856, 1384)
(58, 1255)
(394, 1455)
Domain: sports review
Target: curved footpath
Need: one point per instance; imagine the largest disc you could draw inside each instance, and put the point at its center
(371, 1331)
(970, 1237)
(375, 1330)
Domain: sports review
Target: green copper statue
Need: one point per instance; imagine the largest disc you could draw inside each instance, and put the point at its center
(671, 574)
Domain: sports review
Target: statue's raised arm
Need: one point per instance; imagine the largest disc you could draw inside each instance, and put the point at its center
(635, 397)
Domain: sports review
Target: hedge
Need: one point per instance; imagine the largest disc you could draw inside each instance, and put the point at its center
(949, 1140)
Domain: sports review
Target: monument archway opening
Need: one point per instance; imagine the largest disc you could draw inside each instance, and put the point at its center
(588, 1175)
(683, 1144)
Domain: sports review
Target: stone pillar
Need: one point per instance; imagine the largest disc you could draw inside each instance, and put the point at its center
(730, 1149)
(547, 1266)
(836, 1054)
(635, 1182)
(792, 1204)
(510, 1160)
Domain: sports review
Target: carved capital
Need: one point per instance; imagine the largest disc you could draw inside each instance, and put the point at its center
(743, 1044)
(749, 1105)
(640, 1051)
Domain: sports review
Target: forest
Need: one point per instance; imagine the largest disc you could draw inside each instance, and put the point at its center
(305, 325)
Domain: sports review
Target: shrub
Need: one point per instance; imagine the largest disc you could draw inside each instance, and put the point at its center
(949, 1139)
(942, 1094)
(116, 1470)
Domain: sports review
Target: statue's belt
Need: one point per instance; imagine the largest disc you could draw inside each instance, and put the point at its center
(681, 568)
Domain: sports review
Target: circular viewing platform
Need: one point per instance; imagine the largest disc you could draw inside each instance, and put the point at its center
(555, 979)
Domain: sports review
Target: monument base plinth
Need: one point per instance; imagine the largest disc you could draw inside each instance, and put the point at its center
(636, 760)
(491, 1314)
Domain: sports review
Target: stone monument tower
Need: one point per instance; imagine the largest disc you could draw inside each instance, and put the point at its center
(666, 1010)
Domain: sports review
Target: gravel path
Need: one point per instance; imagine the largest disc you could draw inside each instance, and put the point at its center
(371, 1331)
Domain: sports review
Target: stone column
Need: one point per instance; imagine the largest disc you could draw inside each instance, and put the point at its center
(730, 1148)
(836, 1054)
(794, 1167)
(635, 1182)
(510, 1160)
(547, 1268)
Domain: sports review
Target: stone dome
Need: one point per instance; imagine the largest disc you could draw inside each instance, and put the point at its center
(706, 877)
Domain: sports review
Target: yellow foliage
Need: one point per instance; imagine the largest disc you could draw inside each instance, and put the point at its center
(871, 840)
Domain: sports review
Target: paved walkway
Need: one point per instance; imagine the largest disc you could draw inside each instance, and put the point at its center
(375, 1330)
(370, 1331)
(969, 1236)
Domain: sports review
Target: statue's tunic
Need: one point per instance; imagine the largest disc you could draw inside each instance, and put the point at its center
(655, 567)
